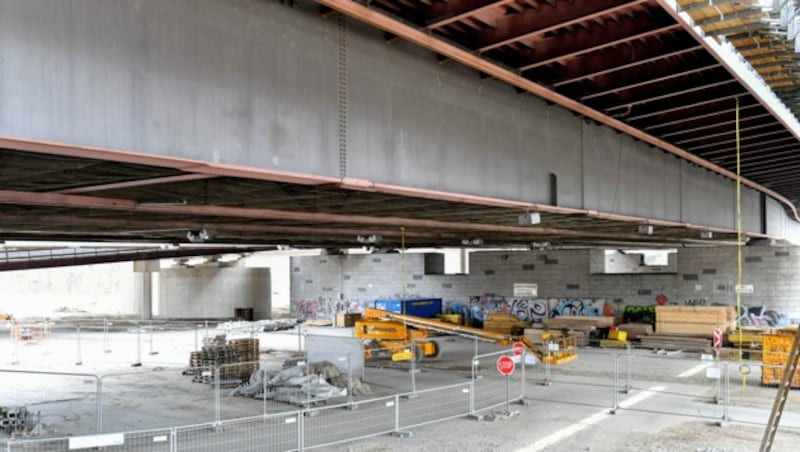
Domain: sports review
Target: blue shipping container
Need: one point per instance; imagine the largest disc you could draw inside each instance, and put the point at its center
(419, 307)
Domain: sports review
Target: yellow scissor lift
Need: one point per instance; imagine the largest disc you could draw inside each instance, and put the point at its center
(398, 333)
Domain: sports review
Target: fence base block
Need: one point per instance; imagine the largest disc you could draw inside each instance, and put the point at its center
(403, 434)
(495, 416)
(722, 423)
(523, 402)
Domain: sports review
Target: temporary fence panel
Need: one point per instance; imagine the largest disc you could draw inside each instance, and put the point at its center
(687, 386)
(231, 377)
(341, 423)
(39, 445)
(135, 400)
(68, 402)
(490, 388)
(278, 432)
(586, 381)
(433, 405)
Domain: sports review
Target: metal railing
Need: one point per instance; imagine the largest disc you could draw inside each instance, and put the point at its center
(703, 389)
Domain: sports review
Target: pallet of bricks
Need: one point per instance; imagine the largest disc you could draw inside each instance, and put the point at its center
(689, 327)
(775, 353)
(227, 355)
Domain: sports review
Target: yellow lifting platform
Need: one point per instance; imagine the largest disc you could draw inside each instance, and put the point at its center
(407, 336)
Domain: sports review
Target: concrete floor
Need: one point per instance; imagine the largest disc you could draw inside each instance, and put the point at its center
(666, 396)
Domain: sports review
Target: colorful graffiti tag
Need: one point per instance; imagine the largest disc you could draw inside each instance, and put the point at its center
(472, 309)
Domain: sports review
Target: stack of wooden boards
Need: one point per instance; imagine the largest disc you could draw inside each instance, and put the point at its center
(577, 327)
(500, 322)
(694, 320)
(749, 341)
(688, 327)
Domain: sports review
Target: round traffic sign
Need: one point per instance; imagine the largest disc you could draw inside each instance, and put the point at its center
(518, 348)
(505, 365)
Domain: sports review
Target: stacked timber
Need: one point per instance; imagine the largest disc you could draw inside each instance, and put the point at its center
(535, 335)
(749, 340)
(500, 322)
(675, 342)
(694, 320)
(575, 322)
(635, 330)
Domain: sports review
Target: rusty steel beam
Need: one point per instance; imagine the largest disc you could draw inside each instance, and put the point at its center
(66, 261)
(649, 96)
(124, 205)
(425, 40)
(728, 131)
(537, 23)
(137, 183)
(454, 11)
(712, 125)
(745, 139)
(133, 225)
(564, 49)
(689, 117)
(627, 84)
(186, 165)
(743, 147)
(626, 57)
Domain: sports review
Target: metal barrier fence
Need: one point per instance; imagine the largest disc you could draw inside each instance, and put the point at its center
(293, 430)
(687, 387)
(227, 426)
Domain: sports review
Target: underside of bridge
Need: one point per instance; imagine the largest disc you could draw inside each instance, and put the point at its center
(644, 68)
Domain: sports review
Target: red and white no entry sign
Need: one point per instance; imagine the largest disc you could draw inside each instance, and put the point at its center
(517, 348)
(505, 365)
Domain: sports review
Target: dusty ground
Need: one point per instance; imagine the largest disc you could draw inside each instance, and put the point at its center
(571, 415)
(686, 436)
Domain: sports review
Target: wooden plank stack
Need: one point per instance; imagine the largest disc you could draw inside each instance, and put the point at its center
(346, 320)
(675, 342)
(500, 322)
(694, 320)
(636, 330)
(535, 335)
(579, 322)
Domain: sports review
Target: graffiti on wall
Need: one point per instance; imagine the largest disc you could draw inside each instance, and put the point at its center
(579, 307)
(695, 302)
(530, 310)
(526, 309)
(325, 308)
(472, 309)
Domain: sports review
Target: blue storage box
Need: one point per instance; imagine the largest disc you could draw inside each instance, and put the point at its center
(419, 307)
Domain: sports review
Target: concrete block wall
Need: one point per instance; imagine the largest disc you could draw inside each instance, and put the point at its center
(705, 276)
(213, 292)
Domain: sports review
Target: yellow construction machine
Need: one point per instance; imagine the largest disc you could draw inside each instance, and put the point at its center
(407, 337)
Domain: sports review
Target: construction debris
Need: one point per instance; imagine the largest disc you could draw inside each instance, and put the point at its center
(245, 328)
(293, 385)
(19, 421)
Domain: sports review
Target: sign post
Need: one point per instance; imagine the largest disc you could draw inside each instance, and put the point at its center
(505, 365)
